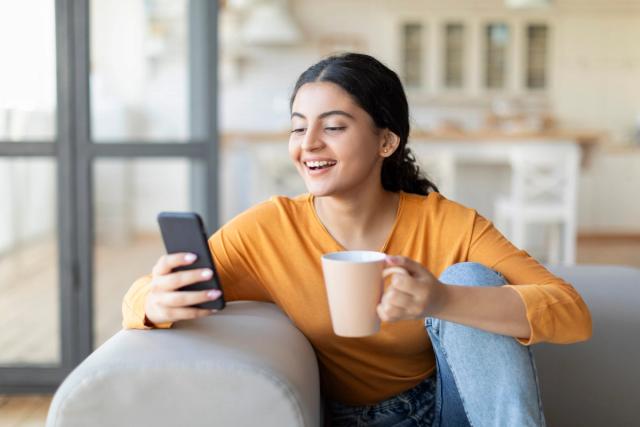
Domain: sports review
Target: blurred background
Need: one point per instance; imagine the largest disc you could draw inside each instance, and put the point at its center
(112, 111)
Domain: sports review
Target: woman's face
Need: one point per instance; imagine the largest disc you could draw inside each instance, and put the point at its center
(334, 143)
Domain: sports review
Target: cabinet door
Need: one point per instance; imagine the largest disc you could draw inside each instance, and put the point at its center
(608, 199)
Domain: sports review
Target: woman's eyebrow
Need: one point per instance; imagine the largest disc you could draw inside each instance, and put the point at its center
(326, 114)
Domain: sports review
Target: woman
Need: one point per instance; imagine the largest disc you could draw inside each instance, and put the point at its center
(453, 346)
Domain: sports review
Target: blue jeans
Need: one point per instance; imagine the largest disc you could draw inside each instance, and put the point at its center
(482, 379)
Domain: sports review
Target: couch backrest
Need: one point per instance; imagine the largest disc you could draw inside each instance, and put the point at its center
(596, 383)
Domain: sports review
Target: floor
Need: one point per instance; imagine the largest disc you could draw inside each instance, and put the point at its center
(113, 277)
(24, 411)
(609, 250)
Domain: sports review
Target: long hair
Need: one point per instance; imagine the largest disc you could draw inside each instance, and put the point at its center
(377, 90)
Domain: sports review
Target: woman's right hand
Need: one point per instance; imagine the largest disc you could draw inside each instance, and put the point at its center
(165, 303)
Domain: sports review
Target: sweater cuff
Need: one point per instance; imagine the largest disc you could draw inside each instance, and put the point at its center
(133, 315)
(530, 298)
(150, 325)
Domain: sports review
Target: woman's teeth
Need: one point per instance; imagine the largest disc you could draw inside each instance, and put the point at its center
(320, 164)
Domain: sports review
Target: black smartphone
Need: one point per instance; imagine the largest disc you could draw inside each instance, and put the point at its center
(184, 232)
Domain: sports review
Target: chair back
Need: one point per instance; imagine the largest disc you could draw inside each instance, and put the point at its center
(545, 173)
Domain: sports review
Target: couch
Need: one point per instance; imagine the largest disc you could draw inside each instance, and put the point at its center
(249, 366)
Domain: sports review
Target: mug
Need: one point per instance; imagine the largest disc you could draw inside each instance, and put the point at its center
(355, 281)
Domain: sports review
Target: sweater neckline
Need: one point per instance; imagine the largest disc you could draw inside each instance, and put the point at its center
(329, 237)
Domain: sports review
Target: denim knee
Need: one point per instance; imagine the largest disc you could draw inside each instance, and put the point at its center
(471, 274)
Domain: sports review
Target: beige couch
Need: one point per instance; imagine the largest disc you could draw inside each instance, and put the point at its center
(249, 366)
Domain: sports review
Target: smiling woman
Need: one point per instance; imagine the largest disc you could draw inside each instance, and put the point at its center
(378, 125)
(467, 308)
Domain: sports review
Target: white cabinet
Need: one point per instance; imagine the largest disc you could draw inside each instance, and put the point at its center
(609, 199)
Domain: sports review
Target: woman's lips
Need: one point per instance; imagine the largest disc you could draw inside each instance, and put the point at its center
(316, 172)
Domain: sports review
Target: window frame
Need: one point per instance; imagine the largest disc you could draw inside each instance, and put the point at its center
(75, 154)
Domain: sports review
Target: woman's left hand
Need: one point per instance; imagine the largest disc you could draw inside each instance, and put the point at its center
(413, 296)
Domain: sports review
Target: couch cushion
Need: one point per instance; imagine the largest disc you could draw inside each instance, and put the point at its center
(596, 383)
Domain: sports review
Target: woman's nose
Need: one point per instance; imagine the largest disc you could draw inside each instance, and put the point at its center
(311, 141)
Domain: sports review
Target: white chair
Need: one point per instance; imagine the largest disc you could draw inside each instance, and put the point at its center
(544, 188)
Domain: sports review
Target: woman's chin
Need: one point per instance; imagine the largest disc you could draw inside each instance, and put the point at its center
(319, 192)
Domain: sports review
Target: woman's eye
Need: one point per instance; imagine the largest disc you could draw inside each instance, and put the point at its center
(335, 128)
(298, 130)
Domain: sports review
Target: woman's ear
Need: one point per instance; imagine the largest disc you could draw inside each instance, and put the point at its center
(389, 143)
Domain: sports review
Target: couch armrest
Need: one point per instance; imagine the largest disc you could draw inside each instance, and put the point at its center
(245, 366)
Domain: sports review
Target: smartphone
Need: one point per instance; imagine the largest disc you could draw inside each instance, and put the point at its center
(184, 232)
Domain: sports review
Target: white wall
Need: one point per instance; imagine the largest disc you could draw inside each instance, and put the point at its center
(596, 69)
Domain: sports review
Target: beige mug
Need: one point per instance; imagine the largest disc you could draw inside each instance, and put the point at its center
(355, 281)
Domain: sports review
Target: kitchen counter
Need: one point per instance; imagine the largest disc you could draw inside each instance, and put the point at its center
(587, 140)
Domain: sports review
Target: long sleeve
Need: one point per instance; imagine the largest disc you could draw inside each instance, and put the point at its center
(237, 253)
(555, 311)
(133, 316)
(235, 258)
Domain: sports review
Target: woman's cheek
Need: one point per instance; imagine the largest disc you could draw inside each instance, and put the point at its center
(294, 150)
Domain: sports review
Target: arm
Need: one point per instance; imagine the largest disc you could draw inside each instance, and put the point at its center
(495, 309)
(555, 311)
(419, 294)
(233, 267)
(535, 306)
(154, 301)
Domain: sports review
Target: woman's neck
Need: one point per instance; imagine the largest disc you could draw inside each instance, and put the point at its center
(359, 221)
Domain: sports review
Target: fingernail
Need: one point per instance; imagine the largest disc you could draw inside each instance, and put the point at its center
(206, 273)
(190, 257)
(213, 294)
(213, 311)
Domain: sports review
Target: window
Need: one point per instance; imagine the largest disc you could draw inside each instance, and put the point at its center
(454, 55)
(29, 260)
(496, 42)
(128, 193)
(536, 51)
(79, 72)
(28, 83)
(29, 236)
(412, 54)
(140, 93)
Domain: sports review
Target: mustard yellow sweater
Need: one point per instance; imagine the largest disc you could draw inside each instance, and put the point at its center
(272, 253)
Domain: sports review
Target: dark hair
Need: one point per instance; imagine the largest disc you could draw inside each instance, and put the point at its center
(377, 90)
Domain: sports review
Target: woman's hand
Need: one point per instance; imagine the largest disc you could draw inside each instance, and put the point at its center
(165, 303)
(413, 296)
